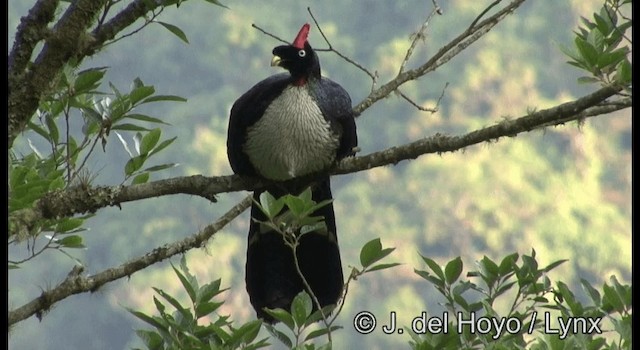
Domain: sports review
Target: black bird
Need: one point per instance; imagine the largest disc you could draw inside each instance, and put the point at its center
(286, 126)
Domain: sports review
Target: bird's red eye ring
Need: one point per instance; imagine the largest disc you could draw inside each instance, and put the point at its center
(302, 53)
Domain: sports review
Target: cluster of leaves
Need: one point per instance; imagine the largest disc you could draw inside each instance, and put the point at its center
(292, 217)
(601, 47)
(181, 329)
(526, 288)
(66, 130)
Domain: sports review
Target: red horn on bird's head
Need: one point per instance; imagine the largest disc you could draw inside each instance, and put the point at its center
(301, 38)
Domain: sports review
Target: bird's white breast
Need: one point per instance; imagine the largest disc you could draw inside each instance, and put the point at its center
(292, 138)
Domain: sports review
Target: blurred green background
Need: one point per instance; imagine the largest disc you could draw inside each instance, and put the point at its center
(565, 191)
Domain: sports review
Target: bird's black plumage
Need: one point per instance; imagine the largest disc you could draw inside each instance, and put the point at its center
(290, 125)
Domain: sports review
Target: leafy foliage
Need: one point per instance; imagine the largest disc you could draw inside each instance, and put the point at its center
(70, 149)
(182, 328)
(602, 47)
(520, 284)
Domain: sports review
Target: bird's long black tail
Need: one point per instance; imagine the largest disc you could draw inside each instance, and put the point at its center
(271, 275)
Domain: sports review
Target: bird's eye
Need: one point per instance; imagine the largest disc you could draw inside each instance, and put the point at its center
(302, 53)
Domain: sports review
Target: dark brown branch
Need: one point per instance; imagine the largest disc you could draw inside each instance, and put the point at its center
(66, 38)
(80, 200)
(75, 283)
(32, 29)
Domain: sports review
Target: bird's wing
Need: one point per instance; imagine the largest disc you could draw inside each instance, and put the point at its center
(244, 113)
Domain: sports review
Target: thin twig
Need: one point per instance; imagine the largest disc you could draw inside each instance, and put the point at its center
(373, 76)
(420, 34)
(484, 12)
(269, 34)
(444, 54)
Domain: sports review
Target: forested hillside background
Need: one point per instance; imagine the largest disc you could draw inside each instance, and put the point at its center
(564, 191)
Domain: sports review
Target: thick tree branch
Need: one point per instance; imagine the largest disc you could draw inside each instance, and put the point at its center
(80, 200)
(587, 106)
(75, 283)
(32, 29)
(69, 39)
(66, 38)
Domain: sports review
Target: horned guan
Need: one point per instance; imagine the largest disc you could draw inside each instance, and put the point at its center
(286, 126)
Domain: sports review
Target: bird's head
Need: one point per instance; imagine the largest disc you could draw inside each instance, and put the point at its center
(298, 58)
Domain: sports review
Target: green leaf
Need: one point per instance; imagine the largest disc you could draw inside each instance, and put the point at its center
(503, 288)
(623, 75)
(159, 305)
(133, 165)
(140, 93)
(382, 266)
(588, 80)
(151, 340)
(295, 204)
(321, 332)
(593, 293)
(129, 127)
(612, 298)
(281, 336)
(208, 291)
(506, 265)
(158, 98)
(175, 30)
(489, 271)
(554, 264)
(317, 315)
(453, 270)
(317, 227)
(269, 205)
(68, 224)
(283, 316)
(596, 39)
(587, 51)
(163, 145)
(53, 128)
(145, 118)
(176, 304)
(72, 241)
(216, 2)
(154, 321)
(88, 80)
(141, 179)
(429, 277)
(612, 58)
(160, 167)
(40, 131)
(434, 267)
(150, 140)
(206, 308)
(372, 251)
(530, 263)
(187, 284)
(301, 307)
(245, 334)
